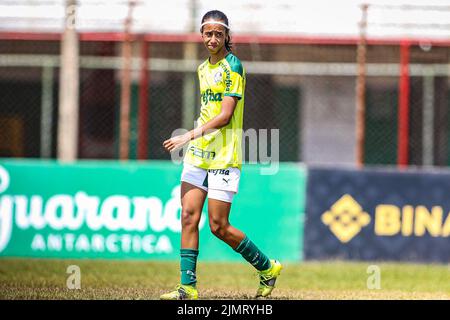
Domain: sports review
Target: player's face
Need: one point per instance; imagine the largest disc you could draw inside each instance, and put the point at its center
(214, 36)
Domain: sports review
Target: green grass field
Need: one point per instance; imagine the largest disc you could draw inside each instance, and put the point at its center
(104, 279)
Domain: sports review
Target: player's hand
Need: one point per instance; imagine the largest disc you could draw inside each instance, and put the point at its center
(176, 142)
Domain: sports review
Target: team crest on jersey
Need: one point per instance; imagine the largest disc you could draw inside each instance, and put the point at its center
(218, 77)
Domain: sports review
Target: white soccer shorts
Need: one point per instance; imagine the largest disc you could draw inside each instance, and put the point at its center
(221, 184)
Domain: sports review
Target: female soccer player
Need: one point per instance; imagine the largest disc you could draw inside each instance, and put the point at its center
(212, 164)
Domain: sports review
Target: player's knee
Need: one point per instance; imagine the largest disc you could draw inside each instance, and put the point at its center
(218, 228)
(189, 218)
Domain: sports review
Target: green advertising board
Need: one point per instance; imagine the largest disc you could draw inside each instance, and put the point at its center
(119, 210)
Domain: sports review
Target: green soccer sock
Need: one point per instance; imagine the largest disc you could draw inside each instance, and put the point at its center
(188, 266)
(252, 254)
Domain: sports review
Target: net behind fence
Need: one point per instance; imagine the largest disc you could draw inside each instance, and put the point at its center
(307, 91)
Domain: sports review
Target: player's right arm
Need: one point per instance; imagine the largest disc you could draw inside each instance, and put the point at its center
(219, 121)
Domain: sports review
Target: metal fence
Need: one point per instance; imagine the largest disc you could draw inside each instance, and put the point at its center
(303, 87)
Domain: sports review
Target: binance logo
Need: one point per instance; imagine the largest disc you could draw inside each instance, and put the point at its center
(346, 218)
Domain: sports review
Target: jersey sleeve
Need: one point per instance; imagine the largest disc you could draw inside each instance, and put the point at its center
(234, 83)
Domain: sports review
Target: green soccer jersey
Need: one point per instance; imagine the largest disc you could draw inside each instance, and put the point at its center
(222, 148)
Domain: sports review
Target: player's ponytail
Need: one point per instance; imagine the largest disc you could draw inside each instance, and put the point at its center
(228, 43)
(219, 16)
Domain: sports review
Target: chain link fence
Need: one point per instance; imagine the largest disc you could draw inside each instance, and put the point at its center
(307, 91)
(428, 127)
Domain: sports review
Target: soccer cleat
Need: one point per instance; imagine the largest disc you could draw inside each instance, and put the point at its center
(181, 292)
(267, 279)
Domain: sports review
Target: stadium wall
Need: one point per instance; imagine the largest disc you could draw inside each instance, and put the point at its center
(116, 210)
